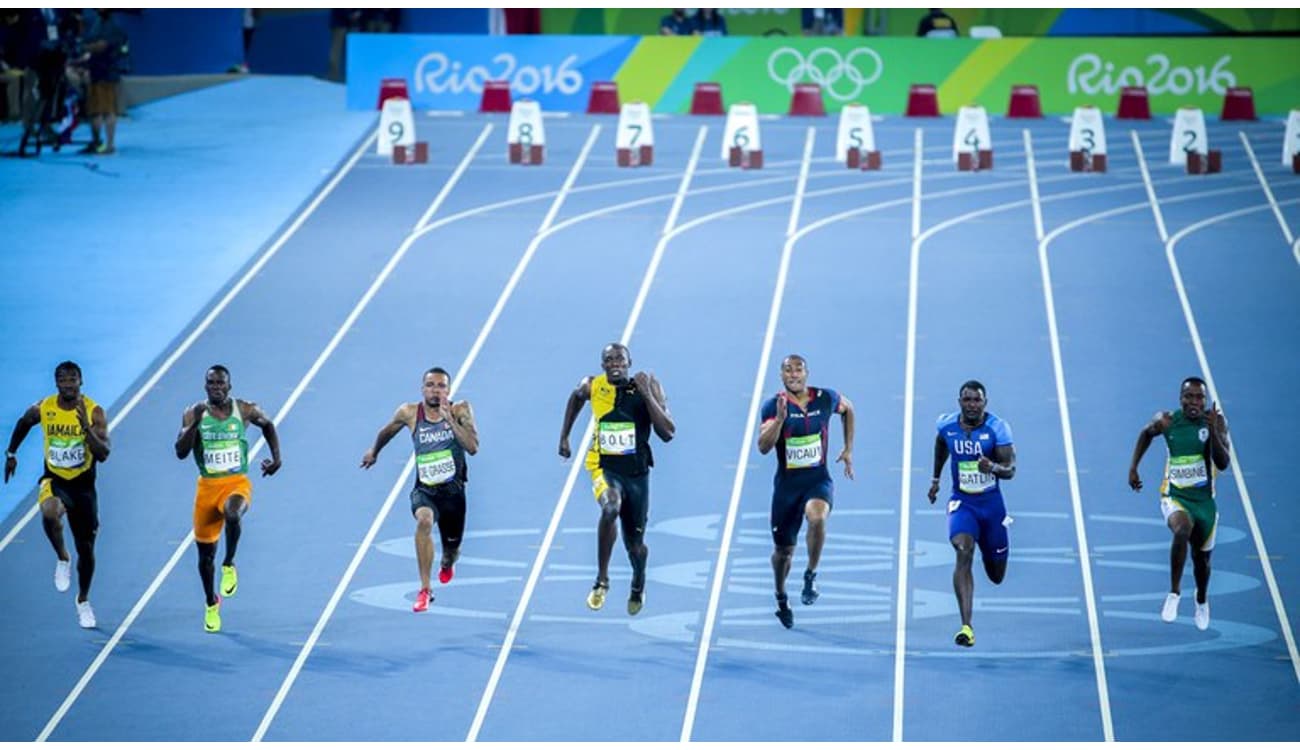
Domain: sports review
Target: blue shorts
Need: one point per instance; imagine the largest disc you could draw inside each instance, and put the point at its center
(984, 518)
(788, 500)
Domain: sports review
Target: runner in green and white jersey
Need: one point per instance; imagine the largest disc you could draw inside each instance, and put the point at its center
(1198, 449)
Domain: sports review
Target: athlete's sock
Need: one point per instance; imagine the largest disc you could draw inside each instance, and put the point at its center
(234, 527)
(207, 568)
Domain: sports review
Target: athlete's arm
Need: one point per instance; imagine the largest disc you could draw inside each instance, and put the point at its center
(189, 429)
(1003, 465)
(770, 431)
(461, 420)
(95, 427)
(253, 414)
(1218, 438)
(940, 457)
(846, 417)
(26, 422)
(403, 417)
(657, 404)
(580, 396)
(1149, 431)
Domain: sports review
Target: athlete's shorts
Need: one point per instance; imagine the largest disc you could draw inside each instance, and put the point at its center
(79, 500)
(210, 498)
(1204, 515)
(789, 498)
(447, 501)
(985, 520)
(634, 510)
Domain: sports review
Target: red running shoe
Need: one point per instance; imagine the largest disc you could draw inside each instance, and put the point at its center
(445, 574)
(422, 600)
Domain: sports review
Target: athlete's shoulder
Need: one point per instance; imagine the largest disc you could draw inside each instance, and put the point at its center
(768, 410)
(828, 393)
(946, 420)
(1000, 427)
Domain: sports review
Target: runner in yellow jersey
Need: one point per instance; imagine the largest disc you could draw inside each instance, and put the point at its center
(215, 431)
(76, 439)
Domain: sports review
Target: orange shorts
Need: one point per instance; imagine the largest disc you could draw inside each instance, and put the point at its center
(210, 503)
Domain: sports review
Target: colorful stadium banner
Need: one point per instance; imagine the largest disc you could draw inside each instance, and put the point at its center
(448, 72)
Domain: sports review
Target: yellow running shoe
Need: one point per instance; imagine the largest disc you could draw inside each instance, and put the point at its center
(212, 618)
(965, 637)
(635, 600)
(596, 599)
(229, 581)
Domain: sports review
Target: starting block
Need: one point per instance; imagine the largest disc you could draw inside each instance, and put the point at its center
(392, 88)
(1188, 137)
(1087, 140)
(922, 100)
(742, 145)
(603, 99)
(635, 140)
(972, 146)
(496, 97)
(806, 99)
(396, 126)
(525, 135)
(855, 140)
(1210, 162)
(1134, 104)
(1291, 143)
(419, 154)
(1238, 104)
(707, 99)
(1025, 102)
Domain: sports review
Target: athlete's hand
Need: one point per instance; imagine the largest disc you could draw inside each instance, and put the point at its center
(444, 411)
(1134, 480)
(642, 382)
(986, 465)
(847, 459)
(1216, 420)
(781, 408)
(82, 417)
(369, 458)
(270, 466)
(564, 447)
(11, 465)
(933, 494)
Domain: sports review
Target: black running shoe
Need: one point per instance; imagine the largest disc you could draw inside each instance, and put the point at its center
(810, 593)
(784, 613)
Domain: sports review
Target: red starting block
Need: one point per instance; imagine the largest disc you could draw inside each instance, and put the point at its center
(392, 88)
(496, 97)
(967, 162)
(1025, 102)
(1134, 104)
(528, 156)
(417, 154)
(707, 99)
(865, 160)
(1208, 163)
(603, 99)
(1238, 104)
(745, 159)
(642, 156)
(807, 100)
(923, 100)
(1086, 161)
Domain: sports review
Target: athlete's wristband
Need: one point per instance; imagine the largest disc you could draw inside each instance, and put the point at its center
(934, 480)
(11, 454)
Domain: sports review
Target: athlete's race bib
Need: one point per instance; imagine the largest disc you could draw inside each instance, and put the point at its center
(436, 467)
(803, 452)
(223, 456)
(67, 453)
(617, 438)
(971, 480)
(1188, 471)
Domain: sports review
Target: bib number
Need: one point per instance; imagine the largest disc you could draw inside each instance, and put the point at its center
(1188, 471)
(617, 438)
(224, 457)
(67, 454)
(436, 468)
(971, 480)
(803, 452)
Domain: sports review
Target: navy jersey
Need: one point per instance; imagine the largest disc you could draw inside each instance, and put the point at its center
(965, 448)
(801, 449)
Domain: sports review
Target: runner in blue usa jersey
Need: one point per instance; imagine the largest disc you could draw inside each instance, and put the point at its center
(982, 455)
(796, 422)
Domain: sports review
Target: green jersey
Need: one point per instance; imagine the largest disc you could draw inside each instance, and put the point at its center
(223, 446)
(1188, 472)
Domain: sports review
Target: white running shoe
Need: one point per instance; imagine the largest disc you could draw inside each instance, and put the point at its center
(62, 575)
(85, 615)
(1169, 612)
(1202, 616)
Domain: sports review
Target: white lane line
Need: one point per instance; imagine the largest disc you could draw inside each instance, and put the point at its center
(916, 184)
(539, 563)
(279, 418)
(1033, 186)
(1151, 190)
(459, 377)
(1238, 473)
(220, 307)
(1277, 210)
(742, 462)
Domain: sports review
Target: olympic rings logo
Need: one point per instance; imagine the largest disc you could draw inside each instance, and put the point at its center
(826, 67)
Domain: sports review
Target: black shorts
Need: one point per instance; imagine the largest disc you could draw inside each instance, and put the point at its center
(447, 501)
(789, 498)
(634, 510)
(79, 499)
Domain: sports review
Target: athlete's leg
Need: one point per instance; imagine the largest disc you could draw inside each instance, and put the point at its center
(235, 507)
(1201, 571)
(633, 515)
(816, 512)
(52, 512)
(207, 569)
(1181, 526)
(451, 530)
(83, 520)
(963, 582)
(424, 519)
(611, 502)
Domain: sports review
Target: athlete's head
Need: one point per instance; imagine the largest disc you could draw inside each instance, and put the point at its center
(67, 378)
(1191, 396)
(794, 373)
(217, 383)
(437, 385)
(972, 399)
(615, 360)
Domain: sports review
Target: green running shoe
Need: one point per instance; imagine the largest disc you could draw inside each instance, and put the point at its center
(212, 618)
(229, 581)
(965, 637)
